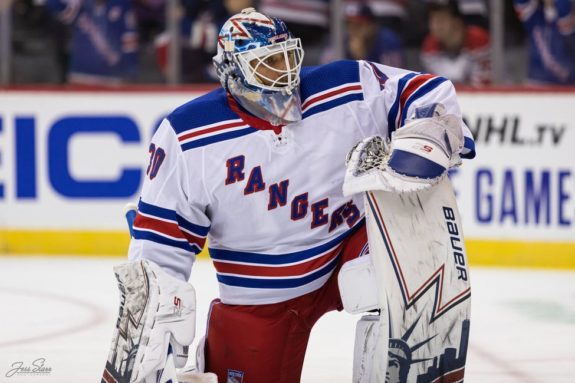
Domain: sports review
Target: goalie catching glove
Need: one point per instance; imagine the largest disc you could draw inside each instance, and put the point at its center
(155, 326)
(417, 157)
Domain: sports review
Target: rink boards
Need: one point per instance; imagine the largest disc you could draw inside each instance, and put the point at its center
(70, 160)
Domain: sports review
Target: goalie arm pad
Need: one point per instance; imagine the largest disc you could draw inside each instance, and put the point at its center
(157, 312)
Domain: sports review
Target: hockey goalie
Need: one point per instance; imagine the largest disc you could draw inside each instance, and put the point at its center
(256, 167)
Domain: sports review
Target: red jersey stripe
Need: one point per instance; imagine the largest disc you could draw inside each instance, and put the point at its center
(313, 100)
(284, 271)
(192, 239)
(211, 130)
(168, 228)
(411, 88)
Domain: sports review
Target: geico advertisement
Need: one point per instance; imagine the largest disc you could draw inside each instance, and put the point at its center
(72, 160)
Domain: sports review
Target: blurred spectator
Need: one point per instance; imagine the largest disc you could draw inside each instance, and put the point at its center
(388, 13)
(307, 19)
(104, 39)
(366, 40)
(199, 27)
(5, 5)
(474, 12)
(386, 8)
(472, 7)
(151, 21)
(151, 18)
(454, 50)
(200, 34)
(550, 25)
(39, 44)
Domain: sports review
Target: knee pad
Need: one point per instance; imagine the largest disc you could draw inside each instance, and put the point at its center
(358, 286)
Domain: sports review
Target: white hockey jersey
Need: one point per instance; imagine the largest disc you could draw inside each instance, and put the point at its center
(271, 202)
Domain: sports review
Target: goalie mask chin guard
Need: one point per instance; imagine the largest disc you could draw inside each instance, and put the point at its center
(259, 63)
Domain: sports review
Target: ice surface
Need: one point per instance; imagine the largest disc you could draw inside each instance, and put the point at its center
(63, 309)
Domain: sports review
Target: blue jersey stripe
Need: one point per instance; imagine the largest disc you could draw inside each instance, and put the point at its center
(280, 259)
(321, 78)
(192, 227)
(207, 109)
(332, 104)
(171, 215)
(428, 87)
(217, 138)
(469, 144)
(153, 237)
(395, 106)
(156, 211)
(278, 283)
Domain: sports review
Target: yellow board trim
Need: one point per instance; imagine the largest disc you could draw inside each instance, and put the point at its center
(500, 253)
(64, 242)
(72, 243)
(548, 255)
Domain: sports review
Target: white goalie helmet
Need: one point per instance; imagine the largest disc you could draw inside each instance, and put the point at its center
(259, 61)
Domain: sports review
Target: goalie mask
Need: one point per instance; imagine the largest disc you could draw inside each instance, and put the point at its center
(258, 62)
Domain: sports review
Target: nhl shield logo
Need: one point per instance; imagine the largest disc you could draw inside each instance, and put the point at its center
(235, 376)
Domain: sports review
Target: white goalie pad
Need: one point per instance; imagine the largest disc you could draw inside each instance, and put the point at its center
(155, 326)
(416, 242)
(370, 349)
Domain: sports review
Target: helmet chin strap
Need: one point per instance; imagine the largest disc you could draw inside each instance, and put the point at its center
(278, 108)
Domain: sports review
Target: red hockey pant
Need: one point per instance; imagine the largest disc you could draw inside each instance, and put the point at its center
(267, 343)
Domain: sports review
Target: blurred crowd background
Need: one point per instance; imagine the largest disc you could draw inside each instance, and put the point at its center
(113, 42)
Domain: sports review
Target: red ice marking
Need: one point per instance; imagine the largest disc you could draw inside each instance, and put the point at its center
(98, 315)
(504, 365)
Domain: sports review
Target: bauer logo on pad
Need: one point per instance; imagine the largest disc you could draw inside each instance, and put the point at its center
(235, 376)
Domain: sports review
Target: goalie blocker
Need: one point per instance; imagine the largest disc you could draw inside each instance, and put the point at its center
(155, 326)
(418, 260)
